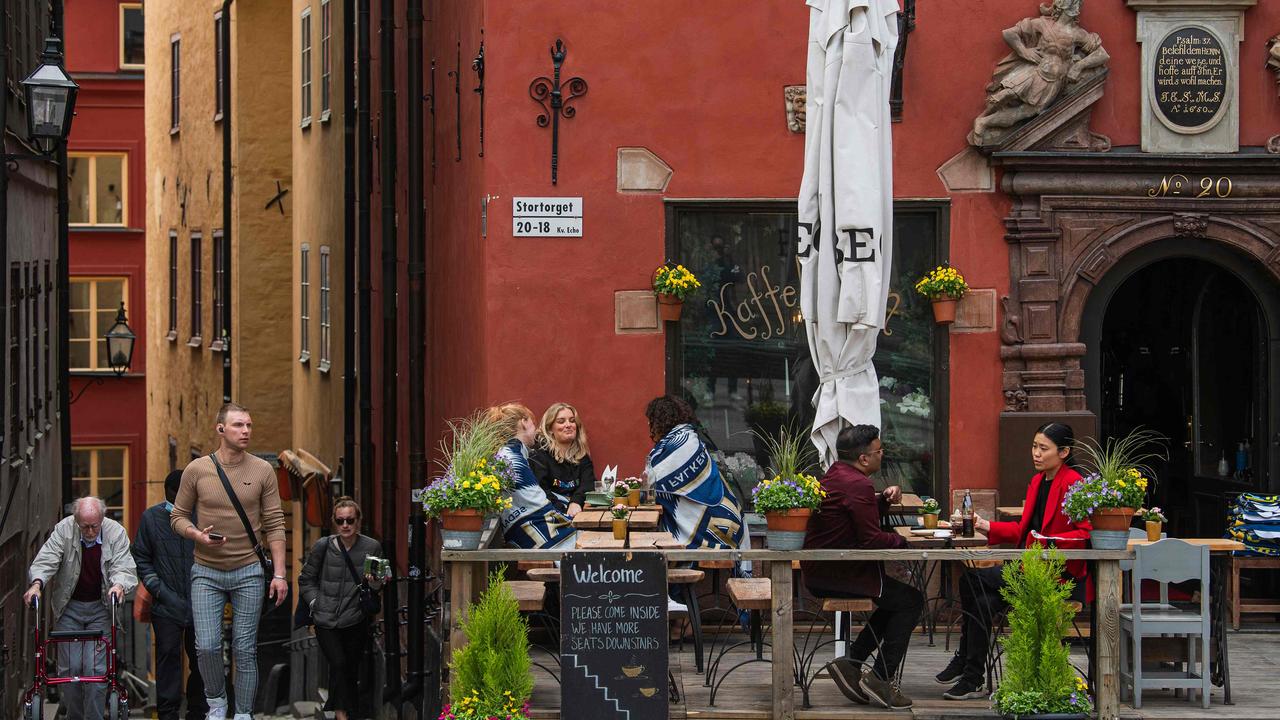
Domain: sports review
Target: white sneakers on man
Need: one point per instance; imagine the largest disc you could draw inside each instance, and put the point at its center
(216, 713)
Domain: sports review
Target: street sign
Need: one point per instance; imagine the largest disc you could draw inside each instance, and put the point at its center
(546, 217)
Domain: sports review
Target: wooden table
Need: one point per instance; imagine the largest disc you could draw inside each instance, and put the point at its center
(955, 541)
(1009, 513)
(593, 540)
(467, 570)
(908, 504)
(640, 519)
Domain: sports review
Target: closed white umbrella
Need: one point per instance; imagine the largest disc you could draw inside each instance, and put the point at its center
(846, 207)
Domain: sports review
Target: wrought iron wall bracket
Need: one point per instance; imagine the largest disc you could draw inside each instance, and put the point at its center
(555, 100)
(456, 74)
(478, 65)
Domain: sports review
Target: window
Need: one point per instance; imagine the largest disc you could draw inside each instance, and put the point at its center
(28, 359)
(741, 357)
(219, 269)
(48, 341)
(16, 425)
(131, 38)
(94, 303)
(305, 68)
(304, 310)
(33, 345)
(97, 185)
(325, 317)
(101, 471)
(197, 301)
(175, 85)
(326, 61)
(217, 71)
(173, 285)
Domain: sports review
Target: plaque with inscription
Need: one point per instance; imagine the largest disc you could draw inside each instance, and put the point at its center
(1190, 83)
(613, 635)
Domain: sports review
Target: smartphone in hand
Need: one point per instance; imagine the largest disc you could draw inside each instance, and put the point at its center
(217, 536)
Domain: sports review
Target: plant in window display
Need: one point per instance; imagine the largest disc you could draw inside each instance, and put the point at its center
(673, 283)
(944, 286)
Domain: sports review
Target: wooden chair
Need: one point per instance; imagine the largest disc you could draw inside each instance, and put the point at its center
(1240, 604)
(843, 610)
(1166, 561)
(754, 595)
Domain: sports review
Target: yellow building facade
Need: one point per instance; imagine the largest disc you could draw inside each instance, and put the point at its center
(185, 342)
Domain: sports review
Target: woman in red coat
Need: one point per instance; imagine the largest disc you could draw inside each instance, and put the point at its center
(1042, 521)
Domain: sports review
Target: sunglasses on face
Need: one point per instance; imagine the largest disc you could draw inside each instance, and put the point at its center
(345, 520)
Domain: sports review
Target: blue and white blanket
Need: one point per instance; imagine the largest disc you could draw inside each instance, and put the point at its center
(1255, 521)
(697, 506)
(532, 521)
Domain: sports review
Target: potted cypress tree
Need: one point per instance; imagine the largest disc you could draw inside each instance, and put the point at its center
(1039, 681)
(491, 675)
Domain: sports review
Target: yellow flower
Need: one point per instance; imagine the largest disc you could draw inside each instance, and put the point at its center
(466, 484)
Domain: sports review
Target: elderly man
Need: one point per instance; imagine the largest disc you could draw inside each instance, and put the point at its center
(85, 560)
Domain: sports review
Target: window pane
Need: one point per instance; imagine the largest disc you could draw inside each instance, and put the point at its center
(111, 463)
(80, 463)
(79, 292)
(132, 36)
(81, 322)
(78, 189)
(109, 174)
(79, 353)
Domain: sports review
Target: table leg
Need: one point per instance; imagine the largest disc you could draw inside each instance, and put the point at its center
(466, 581)
(783, 642)
(1220, 673)
(1108, 641)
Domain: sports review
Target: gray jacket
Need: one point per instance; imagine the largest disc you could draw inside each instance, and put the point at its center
(57, 565)
(326, 583)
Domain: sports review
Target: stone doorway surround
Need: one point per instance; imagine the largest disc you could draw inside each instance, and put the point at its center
(1075, 215)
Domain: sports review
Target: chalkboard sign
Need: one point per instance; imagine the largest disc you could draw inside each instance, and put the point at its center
(1190, 81)
(613, 635)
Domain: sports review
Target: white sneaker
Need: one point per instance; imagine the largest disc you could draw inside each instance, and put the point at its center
(216, 713)
(674, 607)
(243, 716)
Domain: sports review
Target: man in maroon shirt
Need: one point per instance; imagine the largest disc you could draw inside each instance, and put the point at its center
(850, 519)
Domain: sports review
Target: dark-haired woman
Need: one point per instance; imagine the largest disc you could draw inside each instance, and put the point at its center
(697, 505)
(1042, 521)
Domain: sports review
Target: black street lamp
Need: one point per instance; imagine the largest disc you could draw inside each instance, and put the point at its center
(51, 99)
(120, 339)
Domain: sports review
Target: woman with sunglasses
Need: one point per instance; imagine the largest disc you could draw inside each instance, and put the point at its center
(328, 584)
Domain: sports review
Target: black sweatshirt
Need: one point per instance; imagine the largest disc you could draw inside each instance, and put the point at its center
(564, 482)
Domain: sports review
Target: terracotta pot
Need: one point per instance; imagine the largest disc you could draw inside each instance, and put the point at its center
(1153, 530)
(930, 520)
(944, 310)
(793, 520)
(1112, 519)
(619, 529)
(669, 307)
(464, 520)
(633, 498)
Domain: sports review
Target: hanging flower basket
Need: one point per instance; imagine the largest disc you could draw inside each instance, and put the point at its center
(669, 307)
(944, 310)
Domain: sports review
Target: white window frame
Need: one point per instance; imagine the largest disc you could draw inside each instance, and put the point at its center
(95, 477)
(326, 60)
(304, 308)
(326, 318)
(92, 157)
(175, 83)
(304, 70)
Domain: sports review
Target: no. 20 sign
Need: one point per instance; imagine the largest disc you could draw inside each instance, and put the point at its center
(546, 217)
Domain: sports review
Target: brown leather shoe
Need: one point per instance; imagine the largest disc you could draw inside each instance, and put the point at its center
(847, 676)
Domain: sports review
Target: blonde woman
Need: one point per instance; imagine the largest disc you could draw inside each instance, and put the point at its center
(532, 521)
(562, 460)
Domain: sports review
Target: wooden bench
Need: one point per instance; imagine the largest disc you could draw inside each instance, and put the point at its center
(527, 565)
(751, 593)
(546, 575)
(849, 605)
(1240, 605)
(529, 593)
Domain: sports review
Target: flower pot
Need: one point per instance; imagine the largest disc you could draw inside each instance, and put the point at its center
(1111, 518)
(619, 529)
(930, 520)
(460, 529)
(944, 310)
(785, 528)
(669, 307)
(633, 498)
(1153, 530)
(1047, 716)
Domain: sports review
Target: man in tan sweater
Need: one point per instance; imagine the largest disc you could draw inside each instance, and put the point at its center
(227, 566)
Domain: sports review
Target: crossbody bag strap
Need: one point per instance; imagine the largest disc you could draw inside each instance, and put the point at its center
(355, 576)
(235, 502)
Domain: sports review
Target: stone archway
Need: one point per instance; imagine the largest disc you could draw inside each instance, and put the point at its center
(1076, 217)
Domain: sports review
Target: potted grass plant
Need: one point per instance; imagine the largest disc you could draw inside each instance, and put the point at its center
(672, 283)
(491, 675)
(788, 495)
(473, 484)
(944, 286)
(1114, 486)
(1038, 680)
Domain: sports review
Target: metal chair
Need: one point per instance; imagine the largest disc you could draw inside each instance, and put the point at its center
(1166, 561)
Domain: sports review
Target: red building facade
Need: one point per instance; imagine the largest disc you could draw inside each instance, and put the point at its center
(107, 190)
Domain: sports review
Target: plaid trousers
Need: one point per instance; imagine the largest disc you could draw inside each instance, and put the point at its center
(245, 589)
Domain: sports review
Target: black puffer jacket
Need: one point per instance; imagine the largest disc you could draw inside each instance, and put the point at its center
(326, 581)
(164, 565)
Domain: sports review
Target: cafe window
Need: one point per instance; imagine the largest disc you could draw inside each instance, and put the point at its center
(739, 354)
(101, 472)
(97, 189)
(131, 36)
(94, 303)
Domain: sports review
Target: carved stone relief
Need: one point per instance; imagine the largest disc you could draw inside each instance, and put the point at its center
(794, 98)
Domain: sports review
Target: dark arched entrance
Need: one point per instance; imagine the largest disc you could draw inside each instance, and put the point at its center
(1180, 337)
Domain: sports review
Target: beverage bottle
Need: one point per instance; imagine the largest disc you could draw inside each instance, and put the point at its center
(966, 516)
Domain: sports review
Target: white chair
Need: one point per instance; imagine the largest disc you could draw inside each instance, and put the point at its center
(1165, 562)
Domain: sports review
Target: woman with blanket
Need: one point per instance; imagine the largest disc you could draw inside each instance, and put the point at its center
(532, 521)
(697, 505)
